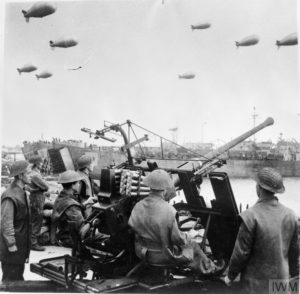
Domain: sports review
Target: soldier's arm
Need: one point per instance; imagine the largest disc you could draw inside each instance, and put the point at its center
(241, 252)
(39, 182)
(7, 223)
(293, 254)
(74, 214)
(95, 187)
(178, 237)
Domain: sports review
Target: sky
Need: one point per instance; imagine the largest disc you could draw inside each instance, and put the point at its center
(131, 53)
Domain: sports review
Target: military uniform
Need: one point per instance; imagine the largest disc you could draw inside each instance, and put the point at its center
(15, 231)
(155, 225)
(86, 192)
(158, 239)
(266, 247)
(66, 208)
(86, 189)
(37, 200)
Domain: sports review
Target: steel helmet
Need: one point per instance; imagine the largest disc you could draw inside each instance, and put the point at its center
(270, 179)
(69, 176)
(84, 161)
(18, 167)
(158, 180)
(35, 159)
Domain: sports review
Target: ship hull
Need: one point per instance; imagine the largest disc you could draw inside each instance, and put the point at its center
(238, 168)
(64, 157)
(235, 168)
(247, 168)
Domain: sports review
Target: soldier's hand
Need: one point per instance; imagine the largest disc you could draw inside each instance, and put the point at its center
(13, 248)
(227, 281)
(88, 202)
(220, 265)
(193, 233)
(84, 230)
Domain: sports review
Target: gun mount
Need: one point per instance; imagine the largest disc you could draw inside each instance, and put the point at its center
(112, 260)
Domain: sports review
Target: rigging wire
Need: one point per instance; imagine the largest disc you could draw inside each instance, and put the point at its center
(186, 149)
(130, 123)
(142, 150)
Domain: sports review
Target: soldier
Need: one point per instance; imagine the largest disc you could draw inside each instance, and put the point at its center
(158, 239)
(15, 237)
(267, 245)
(87, 186)
(67, 209)
(37, 199)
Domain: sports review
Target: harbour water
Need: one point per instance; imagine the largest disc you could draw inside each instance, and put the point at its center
(244, 191)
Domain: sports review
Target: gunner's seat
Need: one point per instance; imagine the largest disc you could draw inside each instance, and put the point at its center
(154, 269)
(153, 276)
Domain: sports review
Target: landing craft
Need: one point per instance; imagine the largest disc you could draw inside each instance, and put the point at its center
(187, 76)
(289, 40)
(26, 68)
(44, 75)
(201, 26)
(248, 41)
(39, 9)
(63, 43)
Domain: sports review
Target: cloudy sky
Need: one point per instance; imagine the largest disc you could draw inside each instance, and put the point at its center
(131, 53)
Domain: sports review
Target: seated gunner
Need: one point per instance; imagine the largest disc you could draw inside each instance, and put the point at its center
(157, 234)
(67, 209)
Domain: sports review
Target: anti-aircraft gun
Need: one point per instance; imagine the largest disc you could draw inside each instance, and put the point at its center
(110, 264)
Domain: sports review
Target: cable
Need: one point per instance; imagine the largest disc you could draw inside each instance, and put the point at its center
(142, 150)
(186, 149)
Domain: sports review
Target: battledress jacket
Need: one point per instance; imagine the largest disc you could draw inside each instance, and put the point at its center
(15, 225)
(154, 223)
(66, 208)
(267, 246)
(86, 189)
(38, 187)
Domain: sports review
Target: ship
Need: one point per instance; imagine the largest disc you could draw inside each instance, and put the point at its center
(245, 159)
(242, 161)
(60, 155)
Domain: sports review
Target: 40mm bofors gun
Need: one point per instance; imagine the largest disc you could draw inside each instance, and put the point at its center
(110, 264)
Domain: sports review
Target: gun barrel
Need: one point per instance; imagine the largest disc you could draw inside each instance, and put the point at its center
(215, 153)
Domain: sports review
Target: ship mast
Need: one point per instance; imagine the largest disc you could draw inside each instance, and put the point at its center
(254, 116)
